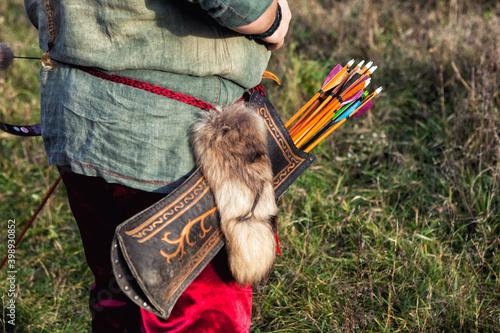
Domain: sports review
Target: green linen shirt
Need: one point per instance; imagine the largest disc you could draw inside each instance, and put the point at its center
(127, 135)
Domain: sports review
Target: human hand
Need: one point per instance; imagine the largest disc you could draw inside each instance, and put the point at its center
(277, 39)
(266, 22)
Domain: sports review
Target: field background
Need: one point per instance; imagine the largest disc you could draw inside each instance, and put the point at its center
(395, 228)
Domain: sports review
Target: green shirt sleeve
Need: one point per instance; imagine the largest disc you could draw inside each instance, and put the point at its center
(234, 13)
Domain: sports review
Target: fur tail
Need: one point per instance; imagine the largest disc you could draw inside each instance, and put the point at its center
(230, 147)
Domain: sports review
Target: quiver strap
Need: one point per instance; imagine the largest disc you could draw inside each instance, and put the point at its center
(158, 252)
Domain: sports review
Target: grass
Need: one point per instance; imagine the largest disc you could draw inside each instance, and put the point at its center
(395, 228)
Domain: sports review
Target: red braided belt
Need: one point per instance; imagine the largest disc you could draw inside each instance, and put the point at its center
(160, 90)
(150, 87)
(35, 130)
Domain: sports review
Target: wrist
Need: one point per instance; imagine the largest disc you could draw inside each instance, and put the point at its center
(272, 29)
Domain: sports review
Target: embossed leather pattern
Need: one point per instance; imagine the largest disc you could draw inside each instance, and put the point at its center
(157, 253)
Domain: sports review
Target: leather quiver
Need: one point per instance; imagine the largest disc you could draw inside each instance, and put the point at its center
(158, 252)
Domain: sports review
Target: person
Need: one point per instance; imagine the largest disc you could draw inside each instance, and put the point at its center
(120, 149)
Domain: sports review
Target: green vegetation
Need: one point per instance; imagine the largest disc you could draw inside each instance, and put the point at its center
(394, 228)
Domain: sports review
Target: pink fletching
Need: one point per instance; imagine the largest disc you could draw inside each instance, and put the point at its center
(363, 109)
(334, 72)
(353, 98)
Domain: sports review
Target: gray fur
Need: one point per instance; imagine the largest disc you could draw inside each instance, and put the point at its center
(230, 146)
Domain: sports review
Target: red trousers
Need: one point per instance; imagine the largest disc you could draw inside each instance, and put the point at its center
(212, 303)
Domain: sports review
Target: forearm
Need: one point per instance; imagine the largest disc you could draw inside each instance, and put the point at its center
(252, 17)
(269, 19)
(263, 23)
